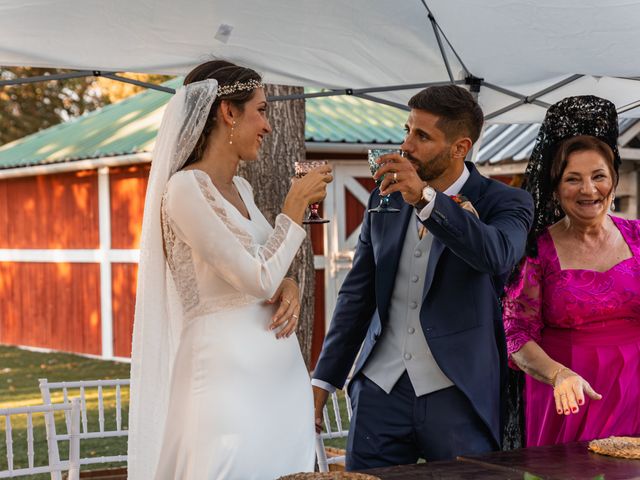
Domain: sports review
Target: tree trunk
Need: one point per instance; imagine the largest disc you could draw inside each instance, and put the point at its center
(270, 177)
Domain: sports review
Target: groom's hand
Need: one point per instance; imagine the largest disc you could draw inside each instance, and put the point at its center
(320, 396)
(399, 176)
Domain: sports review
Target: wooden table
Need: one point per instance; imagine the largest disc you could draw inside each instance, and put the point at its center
(566, 462)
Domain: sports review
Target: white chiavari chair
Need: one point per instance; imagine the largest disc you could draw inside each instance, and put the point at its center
(72, 465)
(334, 427)
(89, 390)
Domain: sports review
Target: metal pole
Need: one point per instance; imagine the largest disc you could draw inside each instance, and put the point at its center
(46, 78)
(139, 83)
(360, 91)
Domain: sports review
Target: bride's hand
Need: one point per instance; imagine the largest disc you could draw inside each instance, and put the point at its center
(288, 312)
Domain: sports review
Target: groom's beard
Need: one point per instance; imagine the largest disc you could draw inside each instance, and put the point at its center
(429, 170)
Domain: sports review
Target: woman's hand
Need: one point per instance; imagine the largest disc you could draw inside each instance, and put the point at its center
(569, 389)
(288, 312)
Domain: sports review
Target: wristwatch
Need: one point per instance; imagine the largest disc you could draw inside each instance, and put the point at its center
(428, 194)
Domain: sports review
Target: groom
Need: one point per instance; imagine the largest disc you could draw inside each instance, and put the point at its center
(422, 299)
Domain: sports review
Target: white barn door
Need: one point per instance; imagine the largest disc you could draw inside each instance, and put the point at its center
(346, 200)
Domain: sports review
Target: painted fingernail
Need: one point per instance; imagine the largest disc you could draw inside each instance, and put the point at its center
(574, 409)
(559, 411)
(580, 402)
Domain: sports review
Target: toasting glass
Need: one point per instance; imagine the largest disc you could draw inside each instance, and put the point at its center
(374, 154)
(301, 169)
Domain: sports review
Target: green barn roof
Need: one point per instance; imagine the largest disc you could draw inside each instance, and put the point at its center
(130, 127)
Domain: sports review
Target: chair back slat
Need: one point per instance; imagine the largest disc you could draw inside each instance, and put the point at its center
(30, 452)
(118, 408)
(349, 408)
(9, 435)
(336, 410)
(83, 408)
(65, 394)
(100, 409)
(327, 421)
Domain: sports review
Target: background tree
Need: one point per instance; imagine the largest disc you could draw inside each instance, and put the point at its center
(29, 108)
(270, 177)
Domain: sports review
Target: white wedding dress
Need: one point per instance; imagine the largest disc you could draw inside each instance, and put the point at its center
(240, 404)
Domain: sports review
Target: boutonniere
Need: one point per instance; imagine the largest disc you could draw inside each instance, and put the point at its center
(464, 203)
(459, 198)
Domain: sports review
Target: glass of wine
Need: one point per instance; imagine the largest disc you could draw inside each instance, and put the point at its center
(374, 154)
(301, 169)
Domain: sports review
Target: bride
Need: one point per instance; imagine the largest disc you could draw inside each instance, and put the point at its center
(219, 389)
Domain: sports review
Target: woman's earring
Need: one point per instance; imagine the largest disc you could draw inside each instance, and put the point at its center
(231, 134)
(613, 203)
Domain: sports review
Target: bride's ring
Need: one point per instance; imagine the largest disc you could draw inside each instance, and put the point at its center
(288, 301)
(294, 316)
(395, 177)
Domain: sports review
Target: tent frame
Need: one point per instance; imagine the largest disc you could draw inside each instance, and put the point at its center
(474, 83)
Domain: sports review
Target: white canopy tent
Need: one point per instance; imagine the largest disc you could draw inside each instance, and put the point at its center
(527, 53)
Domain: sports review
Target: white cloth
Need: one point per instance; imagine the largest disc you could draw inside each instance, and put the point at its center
(240, 405)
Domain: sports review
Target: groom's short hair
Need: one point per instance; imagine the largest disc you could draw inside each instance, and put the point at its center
(459, 114)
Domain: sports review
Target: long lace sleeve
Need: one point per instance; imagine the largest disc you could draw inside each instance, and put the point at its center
(199, 218)
(522, 307)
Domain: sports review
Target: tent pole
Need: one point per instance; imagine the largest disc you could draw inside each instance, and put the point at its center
(629, 106)
(517, 95)
(437, 31)
(382, 101)
(132, 81)
(46, 78)
(361, 91)
(532, 98)
(434, 25)
(83, 73)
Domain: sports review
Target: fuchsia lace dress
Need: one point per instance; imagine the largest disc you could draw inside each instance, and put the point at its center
(590, 322)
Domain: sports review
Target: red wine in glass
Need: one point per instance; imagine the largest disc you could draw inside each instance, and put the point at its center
(301, 169)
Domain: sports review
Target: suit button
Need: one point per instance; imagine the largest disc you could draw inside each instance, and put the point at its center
(411, 330)
(407, 356)
(413, 305)
(417, 253)
(415, 279)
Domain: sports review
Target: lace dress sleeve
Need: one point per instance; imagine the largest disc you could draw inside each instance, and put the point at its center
(199, 218)
(521, 307)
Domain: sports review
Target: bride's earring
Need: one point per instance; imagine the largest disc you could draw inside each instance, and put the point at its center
(613, 203)
(231, 134)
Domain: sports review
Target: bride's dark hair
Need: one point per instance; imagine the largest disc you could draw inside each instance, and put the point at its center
(226, 73)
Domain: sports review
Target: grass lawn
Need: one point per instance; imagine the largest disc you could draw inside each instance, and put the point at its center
(19, 373)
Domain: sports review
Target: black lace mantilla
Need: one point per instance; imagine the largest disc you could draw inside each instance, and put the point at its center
(570, 117)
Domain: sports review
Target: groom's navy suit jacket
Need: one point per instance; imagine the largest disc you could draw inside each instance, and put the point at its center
(460, 314)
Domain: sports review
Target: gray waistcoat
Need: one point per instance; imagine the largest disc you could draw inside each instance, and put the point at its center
(402, 345)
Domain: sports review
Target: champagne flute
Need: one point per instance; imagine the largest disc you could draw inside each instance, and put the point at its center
(301, 169)
(374, 154)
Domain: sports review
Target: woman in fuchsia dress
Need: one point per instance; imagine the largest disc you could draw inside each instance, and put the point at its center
(572, 311)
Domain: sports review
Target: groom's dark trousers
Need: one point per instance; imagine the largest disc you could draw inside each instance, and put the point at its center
(460, 317)
(434, 426)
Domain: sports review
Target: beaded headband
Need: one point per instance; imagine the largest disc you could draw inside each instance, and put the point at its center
(239, 86)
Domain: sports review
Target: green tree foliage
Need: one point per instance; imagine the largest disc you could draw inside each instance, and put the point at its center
(29, 108)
